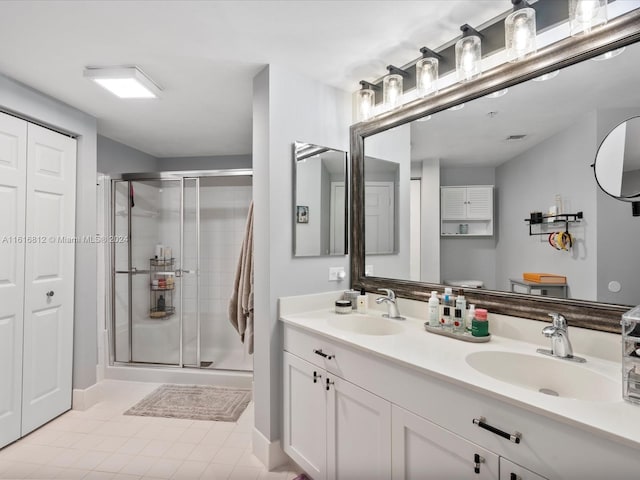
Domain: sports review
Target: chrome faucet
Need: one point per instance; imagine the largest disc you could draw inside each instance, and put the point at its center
(558, 332)
(392, 305)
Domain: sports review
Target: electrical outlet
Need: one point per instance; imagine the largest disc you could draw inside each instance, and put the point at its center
(336, 274)
(368, 270)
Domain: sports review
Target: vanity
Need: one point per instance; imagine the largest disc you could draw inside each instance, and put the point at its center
(369, 397)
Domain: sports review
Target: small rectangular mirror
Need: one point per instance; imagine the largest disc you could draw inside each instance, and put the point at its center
(320, 201)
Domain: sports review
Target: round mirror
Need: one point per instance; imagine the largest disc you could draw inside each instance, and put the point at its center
(617, 165)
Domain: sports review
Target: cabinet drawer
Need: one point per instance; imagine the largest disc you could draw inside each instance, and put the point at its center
(312, 348)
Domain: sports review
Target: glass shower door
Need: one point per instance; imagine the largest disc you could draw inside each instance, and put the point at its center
(191, 273)
(147, 301)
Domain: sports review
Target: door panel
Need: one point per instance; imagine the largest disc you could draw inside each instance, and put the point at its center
(359, 433)
(421, 449)
(379, 217)
(49, 276)
(13, 147)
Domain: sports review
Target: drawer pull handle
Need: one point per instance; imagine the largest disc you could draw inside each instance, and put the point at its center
(316, 377)
(324, 355)
(513, 437)
(514, 477)
(477, 460)
(329, 383)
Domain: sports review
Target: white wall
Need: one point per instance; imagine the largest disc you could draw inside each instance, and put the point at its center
(115, 157)
(220, 162)
(33, 105)
(309, 194)
(287, 107)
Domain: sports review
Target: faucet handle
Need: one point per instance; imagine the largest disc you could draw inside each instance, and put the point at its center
(558, 320)
(390, 293)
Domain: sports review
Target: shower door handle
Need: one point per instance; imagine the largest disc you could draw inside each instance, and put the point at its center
(180, 272)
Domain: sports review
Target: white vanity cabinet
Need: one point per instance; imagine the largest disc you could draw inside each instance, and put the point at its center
(332, 428)
(466, 210)
(423, 450)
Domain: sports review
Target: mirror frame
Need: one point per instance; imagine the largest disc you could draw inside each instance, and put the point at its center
(619, 32)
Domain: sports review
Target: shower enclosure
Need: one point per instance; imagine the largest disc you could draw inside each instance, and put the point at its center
(176, 238)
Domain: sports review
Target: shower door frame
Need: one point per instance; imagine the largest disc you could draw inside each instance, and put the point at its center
(180, 176)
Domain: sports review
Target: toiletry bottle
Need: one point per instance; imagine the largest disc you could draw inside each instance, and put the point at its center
(363, 302)
(459, 320)
(158, 251)
(446, 320)
(161, 303)
(434, 310)
(480, 325)
(470, 315)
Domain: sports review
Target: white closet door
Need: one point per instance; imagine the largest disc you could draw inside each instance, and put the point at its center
(49, 273)
(13, 160)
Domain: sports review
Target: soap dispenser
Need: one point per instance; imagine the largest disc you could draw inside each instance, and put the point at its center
(363, 301)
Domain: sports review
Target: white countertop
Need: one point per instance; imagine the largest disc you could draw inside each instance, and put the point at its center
(444, 358)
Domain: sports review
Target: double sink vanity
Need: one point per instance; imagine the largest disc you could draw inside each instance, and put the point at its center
(370, 397)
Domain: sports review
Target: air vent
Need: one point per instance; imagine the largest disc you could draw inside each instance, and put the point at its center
(515, 137)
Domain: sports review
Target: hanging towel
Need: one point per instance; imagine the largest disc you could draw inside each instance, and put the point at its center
(241, 302)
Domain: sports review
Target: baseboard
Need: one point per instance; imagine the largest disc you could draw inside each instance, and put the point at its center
(268, 452)
(84, 399)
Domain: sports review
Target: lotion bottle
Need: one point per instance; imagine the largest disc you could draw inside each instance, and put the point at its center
(434, 310)
(363, 302)
(459, 324)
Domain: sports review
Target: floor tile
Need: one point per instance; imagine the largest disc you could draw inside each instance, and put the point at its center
(190, 470)
(180, 451)
(245, 473)
(217, 471)
(114, 463)
(164, 468)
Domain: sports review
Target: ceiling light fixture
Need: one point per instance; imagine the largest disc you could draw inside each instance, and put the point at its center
(124, 81)
(608, 55)
(392, 87)
(456, 107)
(584, 15)
(469, 54)
(427, 72)
(520, 31)
(366, 100)
(547, 76)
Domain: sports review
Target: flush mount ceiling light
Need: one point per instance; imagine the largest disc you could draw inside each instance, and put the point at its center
(124, 81)
(520, 31)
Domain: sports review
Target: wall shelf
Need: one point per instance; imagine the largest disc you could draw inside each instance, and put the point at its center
(553, 220)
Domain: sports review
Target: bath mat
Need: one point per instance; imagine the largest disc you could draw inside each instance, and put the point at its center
(194, 402)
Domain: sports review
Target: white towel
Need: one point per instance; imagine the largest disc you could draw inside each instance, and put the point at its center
(241, 302)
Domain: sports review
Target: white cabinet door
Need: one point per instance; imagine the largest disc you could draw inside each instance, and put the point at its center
(422, 450)
(49, 276)
(358, 432)
(305, 439)
(479, 203)
(454, 203)
(511, 471)
(13, 161)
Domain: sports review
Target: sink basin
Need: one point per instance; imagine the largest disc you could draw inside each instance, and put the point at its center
(550, 376)
(366, 324)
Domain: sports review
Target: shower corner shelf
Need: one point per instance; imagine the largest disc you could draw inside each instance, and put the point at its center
(161, 271)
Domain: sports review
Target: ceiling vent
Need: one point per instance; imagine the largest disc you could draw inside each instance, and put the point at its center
(515, 137)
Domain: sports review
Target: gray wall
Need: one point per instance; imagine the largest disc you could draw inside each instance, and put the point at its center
(115, 157)
(618, 230)
(469, 258)
(530, 182)
(221, 162)
(286, 107)
(33, 105)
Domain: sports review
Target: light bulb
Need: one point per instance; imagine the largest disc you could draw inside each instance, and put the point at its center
(584, 15)
(427, 76)
(468, 58)
(392, 91)
(520, 33)
(366, 103)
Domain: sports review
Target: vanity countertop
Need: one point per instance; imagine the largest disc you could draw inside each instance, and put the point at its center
(445, 358)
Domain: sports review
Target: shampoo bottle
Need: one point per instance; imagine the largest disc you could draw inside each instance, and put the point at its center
(363, 302)
(434, 310)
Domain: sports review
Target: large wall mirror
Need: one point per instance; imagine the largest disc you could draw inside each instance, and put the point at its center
(320, 201)
(524, 141)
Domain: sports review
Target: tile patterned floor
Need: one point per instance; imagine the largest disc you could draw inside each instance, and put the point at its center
(102, 444)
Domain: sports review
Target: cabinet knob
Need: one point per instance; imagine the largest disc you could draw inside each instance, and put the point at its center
(50, 293)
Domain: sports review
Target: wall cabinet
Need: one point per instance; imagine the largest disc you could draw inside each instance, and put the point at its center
(466, 210)
(37, 227)
(332, 428)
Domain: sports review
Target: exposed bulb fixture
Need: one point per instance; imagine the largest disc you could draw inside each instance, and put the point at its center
(427, 72)
(608, 55)
(392, 87)
(584, 15)
(547, 76)
(498, 94)
(124, 81)
(468, 54)
(366, 100)
(520, 31)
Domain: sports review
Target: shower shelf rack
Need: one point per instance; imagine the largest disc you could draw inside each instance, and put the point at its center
(161, 293)
(551, 220)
